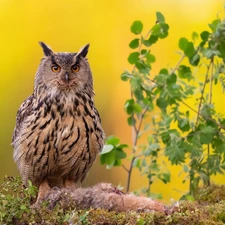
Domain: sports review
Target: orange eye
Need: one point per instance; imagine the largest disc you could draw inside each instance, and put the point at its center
(56, 68)
(76, 68)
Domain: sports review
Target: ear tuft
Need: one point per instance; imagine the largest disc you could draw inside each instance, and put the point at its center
(46, 49)
(83, 51)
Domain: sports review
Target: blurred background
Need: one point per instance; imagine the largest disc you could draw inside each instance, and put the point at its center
(68, 25)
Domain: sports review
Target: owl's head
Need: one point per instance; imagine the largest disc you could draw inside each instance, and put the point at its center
(66, 72)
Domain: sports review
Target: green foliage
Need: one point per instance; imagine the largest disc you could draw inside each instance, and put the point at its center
(113, 152)
(136, 27)
(193, 138)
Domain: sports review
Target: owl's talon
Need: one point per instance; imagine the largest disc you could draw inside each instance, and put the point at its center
(55, 188)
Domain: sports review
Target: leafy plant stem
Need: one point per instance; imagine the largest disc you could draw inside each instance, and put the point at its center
(211, 82)
(135, 130)
(178, 63)
(202, 94)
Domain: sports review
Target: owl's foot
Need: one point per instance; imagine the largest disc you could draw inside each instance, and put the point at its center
(70, 185)
(54, 196)
(43, 190)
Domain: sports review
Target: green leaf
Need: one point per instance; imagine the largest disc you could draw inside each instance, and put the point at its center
(23, 207)
(121, 146)
(194, 36)
(144, 52)
(189, 198)
(154, 167)
(138, 93)
(160, 18)
(164, 177)
(110, 159)
(172, 79)
(183, 124)
(205, 35)
(137, 108)
(189, 50)
(154, 146)
(134, 43)
(187, 47)
(164, 71)
(133, 57)
(152, 40)
(156, 29)
(137, 163)
(120, 154)
(112, 140)
(164, 30)
(161, 103)
(131, 121)
(184, 72)
(185, 168)
(150, 58)
(136, 27)
(214, 25)
(126, 76)
(142, 67)
(209, 53)
(206, 138)
(136, 82)
(194, 60)
(208, 129)
(106, 149)
(102, 159)
(129, 105)
(183, 43)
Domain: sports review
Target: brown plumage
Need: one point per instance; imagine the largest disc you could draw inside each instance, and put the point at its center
(58, 130)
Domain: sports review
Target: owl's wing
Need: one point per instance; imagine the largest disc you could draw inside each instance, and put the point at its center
(98, 118)
(100, 131)
(24, 111)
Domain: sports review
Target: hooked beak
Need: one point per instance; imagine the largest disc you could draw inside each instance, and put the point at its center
(66, 78)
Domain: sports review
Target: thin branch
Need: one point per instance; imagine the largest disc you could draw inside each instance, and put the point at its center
(149, 32)
(211, 82)
(139, 155)
(202, 94)
(178, 63)
(210, 102)
(141, 120)
(204, 117)
(134, 128)
(125, 168)
(129, 174)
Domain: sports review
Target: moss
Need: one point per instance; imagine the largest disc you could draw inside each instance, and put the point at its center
(210, 194)
(15, 209)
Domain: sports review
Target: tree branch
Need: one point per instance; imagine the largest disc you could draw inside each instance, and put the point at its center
(204, 117)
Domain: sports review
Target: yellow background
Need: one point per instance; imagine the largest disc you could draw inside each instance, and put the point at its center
(68, 25)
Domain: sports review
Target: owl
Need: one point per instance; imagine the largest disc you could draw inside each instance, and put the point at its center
(58, 131)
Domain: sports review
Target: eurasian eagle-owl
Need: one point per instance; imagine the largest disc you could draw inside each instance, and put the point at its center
(58, 131)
